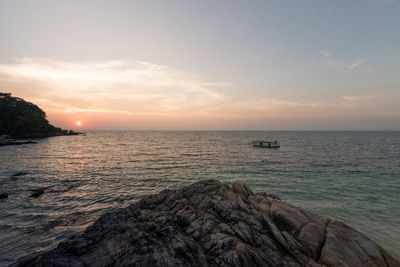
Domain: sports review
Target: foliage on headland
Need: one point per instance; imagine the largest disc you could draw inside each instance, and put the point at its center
(20, 119)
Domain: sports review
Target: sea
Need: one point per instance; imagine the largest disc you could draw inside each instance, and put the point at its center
(351, 176)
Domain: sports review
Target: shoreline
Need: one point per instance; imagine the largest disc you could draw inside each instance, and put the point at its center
(7, 140)
(210, 223)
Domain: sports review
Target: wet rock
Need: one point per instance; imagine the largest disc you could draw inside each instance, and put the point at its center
(3, 195)
(37, 192)
(211, 224)
(19, 174)
(15, 142)
(16, 175)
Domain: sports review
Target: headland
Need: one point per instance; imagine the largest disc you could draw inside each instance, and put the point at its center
(24, 120)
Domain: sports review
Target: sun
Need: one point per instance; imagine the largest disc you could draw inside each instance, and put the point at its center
(79, 123)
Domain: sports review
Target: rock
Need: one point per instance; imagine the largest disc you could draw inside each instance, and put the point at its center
(37, 192)
(70, 132)
(19, 174)
(28, 142)
(3, 195)
(343, 244)
(15, 142)
(211, 224)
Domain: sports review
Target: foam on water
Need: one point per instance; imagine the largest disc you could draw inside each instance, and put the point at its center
(350, 176)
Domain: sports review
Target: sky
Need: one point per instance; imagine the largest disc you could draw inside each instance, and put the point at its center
(205, 65)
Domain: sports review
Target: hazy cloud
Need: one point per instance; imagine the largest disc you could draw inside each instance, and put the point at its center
(113, 85)
(120, 93)
(359, 97)
(325, 53)
(356, 64)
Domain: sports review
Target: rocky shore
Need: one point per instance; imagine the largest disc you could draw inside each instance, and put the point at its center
(14, 142)
(6, 140)
(212, 224)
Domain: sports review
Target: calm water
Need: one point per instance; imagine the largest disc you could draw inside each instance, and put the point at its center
(350, 176)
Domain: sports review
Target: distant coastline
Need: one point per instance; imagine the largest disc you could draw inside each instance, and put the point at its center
(6, 140)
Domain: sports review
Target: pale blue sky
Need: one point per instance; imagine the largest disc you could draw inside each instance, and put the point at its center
(246, 64)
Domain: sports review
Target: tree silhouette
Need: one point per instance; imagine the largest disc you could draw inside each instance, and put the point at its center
(19, 118)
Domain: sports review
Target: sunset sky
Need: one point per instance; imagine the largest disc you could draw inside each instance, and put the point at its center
(205, 65)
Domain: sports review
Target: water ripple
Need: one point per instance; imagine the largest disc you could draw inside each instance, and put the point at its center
(350, 176)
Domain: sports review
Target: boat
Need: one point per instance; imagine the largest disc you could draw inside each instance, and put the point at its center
(267, 144)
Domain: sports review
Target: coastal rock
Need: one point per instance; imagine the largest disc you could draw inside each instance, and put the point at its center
(212, 224)
(12, 142)
(19, 174)
(16, 175)
(37, 192)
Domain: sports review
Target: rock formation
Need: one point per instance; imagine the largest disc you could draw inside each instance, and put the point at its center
(212, 224)
(15, 142)
(37, 192)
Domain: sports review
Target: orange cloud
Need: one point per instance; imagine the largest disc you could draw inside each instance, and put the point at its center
(119, 94)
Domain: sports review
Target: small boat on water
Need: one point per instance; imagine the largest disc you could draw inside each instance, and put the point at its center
(267, 144)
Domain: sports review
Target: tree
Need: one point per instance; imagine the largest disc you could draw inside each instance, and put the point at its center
(19, 118)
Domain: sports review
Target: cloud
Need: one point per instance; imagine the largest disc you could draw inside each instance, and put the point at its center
(359, 97)
(325, 53)
(217, 84)
(121, 93)
(129, 88)
(356, 64)
(342, 66)
(112, 86)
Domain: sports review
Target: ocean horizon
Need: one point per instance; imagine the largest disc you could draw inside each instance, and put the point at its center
(351, 176)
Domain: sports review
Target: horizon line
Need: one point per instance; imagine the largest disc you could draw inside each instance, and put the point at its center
(237, 130)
